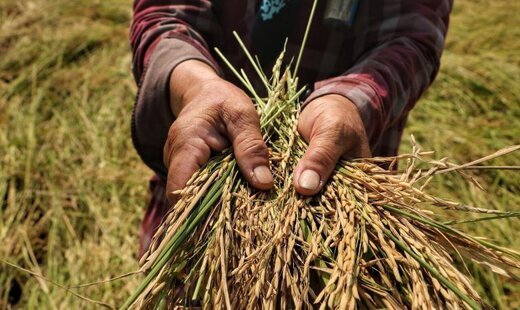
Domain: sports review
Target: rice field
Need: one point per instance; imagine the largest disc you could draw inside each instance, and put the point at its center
(73, 190)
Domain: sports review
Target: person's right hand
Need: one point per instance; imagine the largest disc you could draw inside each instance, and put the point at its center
(211, 114)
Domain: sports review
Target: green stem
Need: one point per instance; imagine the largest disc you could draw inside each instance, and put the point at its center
(182, 234)
(472, 303)
(304, 41)
(235, 72)
(444, 227)
(485, 218)
(253, 63)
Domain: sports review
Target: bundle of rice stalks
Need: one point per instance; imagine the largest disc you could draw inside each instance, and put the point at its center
(368, 239)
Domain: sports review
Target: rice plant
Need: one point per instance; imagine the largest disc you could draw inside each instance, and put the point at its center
(369, 238)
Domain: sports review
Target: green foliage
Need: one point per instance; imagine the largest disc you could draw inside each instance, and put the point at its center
(72, 188)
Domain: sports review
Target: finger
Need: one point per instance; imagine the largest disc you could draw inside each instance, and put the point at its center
(317, 164)
(243, 128)
(184, 161)
(188, 147)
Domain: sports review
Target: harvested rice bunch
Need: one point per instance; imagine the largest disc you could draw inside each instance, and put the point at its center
(368, 239)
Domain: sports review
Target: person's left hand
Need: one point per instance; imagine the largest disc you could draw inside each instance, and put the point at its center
(333, 128)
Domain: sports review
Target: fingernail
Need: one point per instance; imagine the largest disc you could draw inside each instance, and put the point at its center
(263, 175)
(309, 179)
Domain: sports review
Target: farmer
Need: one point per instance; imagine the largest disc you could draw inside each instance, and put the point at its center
(366, 63)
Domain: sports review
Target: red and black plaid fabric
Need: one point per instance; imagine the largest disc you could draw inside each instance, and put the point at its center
(156, 209)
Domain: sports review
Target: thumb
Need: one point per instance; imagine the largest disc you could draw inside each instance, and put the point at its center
(316, 166)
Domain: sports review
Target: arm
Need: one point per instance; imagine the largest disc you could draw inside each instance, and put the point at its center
(164, 33)
(179, 80)
(179, 27)
(383, 86)
(389, 79)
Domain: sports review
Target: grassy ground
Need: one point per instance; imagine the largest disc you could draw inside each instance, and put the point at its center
(73, 189)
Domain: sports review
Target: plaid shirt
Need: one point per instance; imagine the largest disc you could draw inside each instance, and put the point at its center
(382, 62)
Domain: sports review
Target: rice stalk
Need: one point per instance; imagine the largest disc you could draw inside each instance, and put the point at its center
(368, 239)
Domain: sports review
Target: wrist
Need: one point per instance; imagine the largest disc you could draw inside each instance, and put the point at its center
(334, 100)
(185, 81)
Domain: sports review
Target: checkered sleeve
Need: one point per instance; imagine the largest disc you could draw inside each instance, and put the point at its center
(396, 69)
(162, 35)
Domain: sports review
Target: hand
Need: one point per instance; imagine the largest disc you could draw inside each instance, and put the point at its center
(333, 128)
(211, 114)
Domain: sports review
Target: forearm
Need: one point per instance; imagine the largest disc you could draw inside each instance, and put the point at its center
(187, 27)
(164, 34)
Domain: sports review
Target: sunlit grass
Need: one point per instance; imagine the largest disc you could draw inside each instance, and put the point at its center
(472, 109)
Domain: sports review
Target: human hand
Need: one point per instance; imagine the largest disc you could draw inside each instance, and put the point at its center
(333, 128)
(211, 114)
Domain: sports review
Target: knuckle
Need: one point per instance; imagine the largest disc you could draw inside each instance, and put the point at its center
(336, 118)
(175, 129)
(174, 139)
(169, 146)
(197, 148)
(333, 132)
(252, 147)
(323, 156)
(240, 114)
(196, 127)
(212, 111)
(187, 131)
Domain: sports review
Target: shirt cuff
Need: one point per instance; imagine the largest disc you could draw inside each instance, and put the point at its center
(362, 91)
(152, 115)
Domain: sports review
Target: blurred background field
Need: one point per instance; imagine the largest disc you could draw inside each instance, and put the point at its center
(72, 189)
